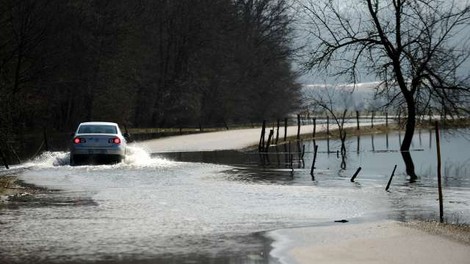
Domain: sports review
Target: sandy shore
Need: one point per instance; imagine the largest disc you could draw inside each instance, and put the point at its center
(377, 242)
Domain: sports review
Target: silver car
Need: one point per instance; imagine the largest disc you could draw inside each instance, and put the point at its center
(97, 142)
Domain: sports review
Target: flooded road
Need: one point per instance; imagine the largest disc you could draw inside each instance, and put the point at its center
(213, 207)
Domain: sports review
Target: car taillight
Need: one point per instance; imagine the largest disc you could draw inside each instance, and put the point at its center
(78, 140)
(115, 140)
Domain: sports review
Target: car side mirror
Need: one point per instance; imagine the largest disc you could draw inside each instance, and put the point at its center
(126, 135)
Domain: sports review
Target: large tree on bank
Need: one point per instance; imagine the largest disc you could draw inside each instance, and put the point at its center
(417, 48)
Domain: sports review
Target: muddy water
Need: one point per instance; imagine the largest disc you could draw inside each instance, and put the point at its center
(213, 207)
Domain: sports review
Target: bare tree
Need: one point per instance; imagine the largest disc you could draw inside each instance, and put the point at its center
(417, 48)
(337, 102)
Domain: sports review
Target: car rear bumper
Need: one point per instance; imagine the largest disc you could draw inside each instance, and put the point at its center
(99, 151)
(80, 159)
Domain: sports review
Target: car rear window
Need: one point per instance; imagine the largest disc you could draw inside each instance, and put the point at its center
(97, 129)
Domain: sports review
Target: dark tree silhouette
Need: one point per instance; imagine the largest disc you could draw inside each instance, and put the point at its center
(415, 47)
(148, 63)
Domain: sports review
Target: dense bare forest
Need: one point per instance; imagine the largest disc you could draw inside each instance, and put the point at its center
(147, 63)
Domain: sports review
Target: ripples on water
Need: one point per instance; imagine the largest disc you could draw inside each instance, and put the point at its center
(152, 208)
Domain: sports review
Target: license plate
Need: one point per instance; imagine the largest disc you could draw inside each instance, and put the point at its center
(96, 151)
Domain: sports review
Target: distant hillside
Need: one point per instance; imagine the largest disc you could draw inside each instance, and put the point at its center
(358, 97)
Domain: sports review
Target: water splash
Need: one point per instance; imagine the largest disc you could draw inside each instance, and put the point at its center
(49, 159)
(139, 157)
(136, 156)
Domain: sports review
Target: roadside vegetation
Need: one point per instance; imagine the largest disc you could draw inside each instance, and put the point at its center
(143, 64)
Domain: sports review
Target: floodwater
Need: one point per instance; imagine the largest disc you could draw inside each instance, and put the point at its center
(213, 207)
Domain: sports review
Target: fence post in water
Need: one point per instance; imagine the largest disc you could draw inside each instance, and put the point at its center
(355, 174)
(315, 149)
(298, 126)
(327, 125)
(285, 129)
(4, 159)
(303, 152)
(439, 176)
(386, 119)
(277, 131)
(271, 133)
(372, 120)
(314, 127)
(357, 120)
(391, 177)
(261, 138)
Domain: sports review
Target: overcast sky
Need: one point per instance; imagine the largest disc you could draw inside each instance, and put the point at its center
(313, 77)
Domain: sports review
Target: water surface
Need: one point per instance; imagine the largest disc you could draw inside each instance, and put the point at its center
(213, 207)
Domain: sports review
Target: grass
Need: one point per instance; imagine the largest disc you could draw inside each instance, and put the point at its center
(7, 184)
(13, 190)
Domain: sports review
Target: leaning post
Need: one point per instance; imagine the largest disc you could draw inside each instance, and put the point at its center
(355, 174)
(391, 177)
(271, 132)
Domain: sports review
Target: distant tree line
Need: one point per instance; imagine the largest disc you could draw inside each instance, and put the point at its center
(146, 63)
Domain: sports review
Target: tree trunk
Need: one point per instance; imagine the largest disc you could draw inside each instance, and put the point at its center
(406, 143)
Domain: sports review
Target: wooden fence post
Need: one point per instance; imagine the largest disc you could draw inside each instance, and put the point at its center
(285, 129)
(298, 126)
(391, 177)
(315, 149)
(277, 131)
(271, 132)
(439, 176)
(372, 120)
(314, 127)
(327, 125)
(355, 174)
(261, 138)
(357, 120)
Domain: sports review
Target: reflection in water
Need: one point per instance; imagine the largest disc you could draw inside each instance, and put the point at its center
(377, 155)
(386, 142)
